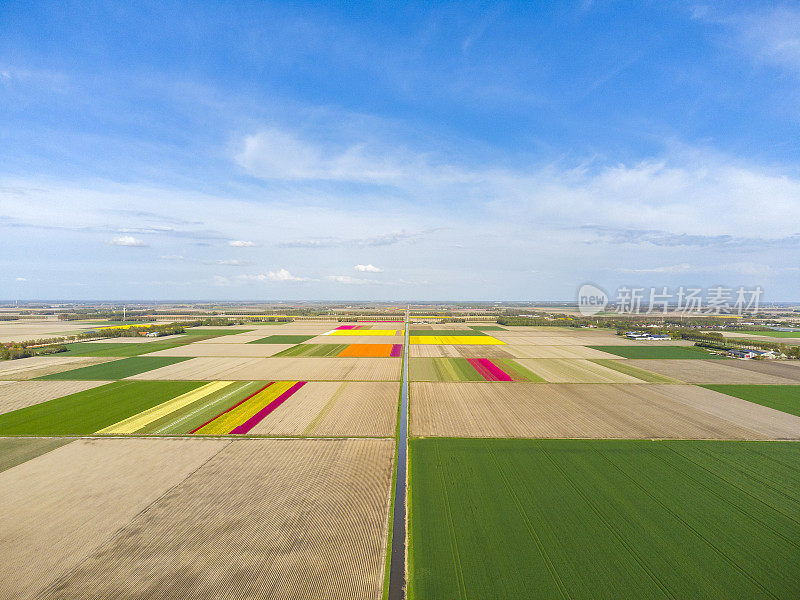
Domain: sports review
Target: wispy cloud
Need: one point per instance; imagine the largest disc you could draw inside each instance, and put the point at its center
(21, 279)
(347, 279)
(279, 275)
(128, 241)
(241, 244)
(385, 239)
(368, 269)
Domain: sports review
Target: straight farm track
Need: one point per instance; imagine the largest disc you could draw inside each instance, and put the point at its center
(584, 519)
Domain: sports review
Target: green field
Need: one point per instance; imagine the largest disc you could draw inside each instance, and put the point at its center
(89, 411)
(15, 451)
(445, 332)
(584, 519)
(123, 349)
(658, 351)
(215, 332)
(442, 369)
(780, 397)
(283, 339)
(313, 350)
(117, 369)
(772, 333)
(622, 366)
(487, 328)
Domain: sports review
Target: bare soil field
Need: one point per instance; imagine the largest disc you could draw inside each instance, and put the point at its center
(24, 330)
(39, 366)
(557, 370)
(352, 339)
(263, 518)
(362, 408)
(19, 394)
(280, 368)
(457, 351)
(535, 351)
(785, 369)
(768, 422)
(708, 371)
(57, 509)
(336, 409)
(231, 350)
(294, 416)
(576, 411)
(236, 338)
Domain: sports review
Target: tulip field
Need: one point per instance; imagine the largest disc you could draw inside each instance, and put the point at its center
(260, 461)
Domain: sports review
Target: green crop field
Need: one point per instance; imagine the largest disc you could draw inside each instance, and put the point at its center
(89, 411)
(443, 369)
(487, 328)
(772, 333)
(215, 332)
(313, 350)
(122, 350)
(780, 397)
(603, 519)
(658, 351)
(621, 366)
(283, 339)
(445, 332)
(117, 369)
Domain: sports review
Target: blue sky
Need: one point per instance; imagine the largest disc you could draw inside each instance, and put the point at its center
(397, 150)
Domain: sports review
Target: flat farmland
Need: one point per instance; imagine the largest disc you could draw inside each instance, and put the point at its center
(336, 409)
(40, 366)
(573, 351)
(711, 371)
(302, 518)
(15, 451)
(603, 519)
(556, 370)
(88, 411)
(20, 394)
(228, 350)
(117, 369)
(458, 351)
(662, 352)
(280, 368)
(72, 500)
(352, 339)
(785, 398)
(541, 410)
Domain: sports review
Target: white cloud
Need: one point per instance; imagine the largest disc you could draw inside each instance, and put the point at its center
(671, 269)
(241, 244)
(221, 281)
(279, 275)
(368, 269)
(231, 263)
(129, 241)
(173, 257)
(346, 279)
(282, 154)
(20, 279)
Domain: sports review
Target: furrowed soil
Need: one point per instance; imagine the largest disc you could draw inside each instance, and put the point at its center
(301, 518)
(72, 500)
(544, 410)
